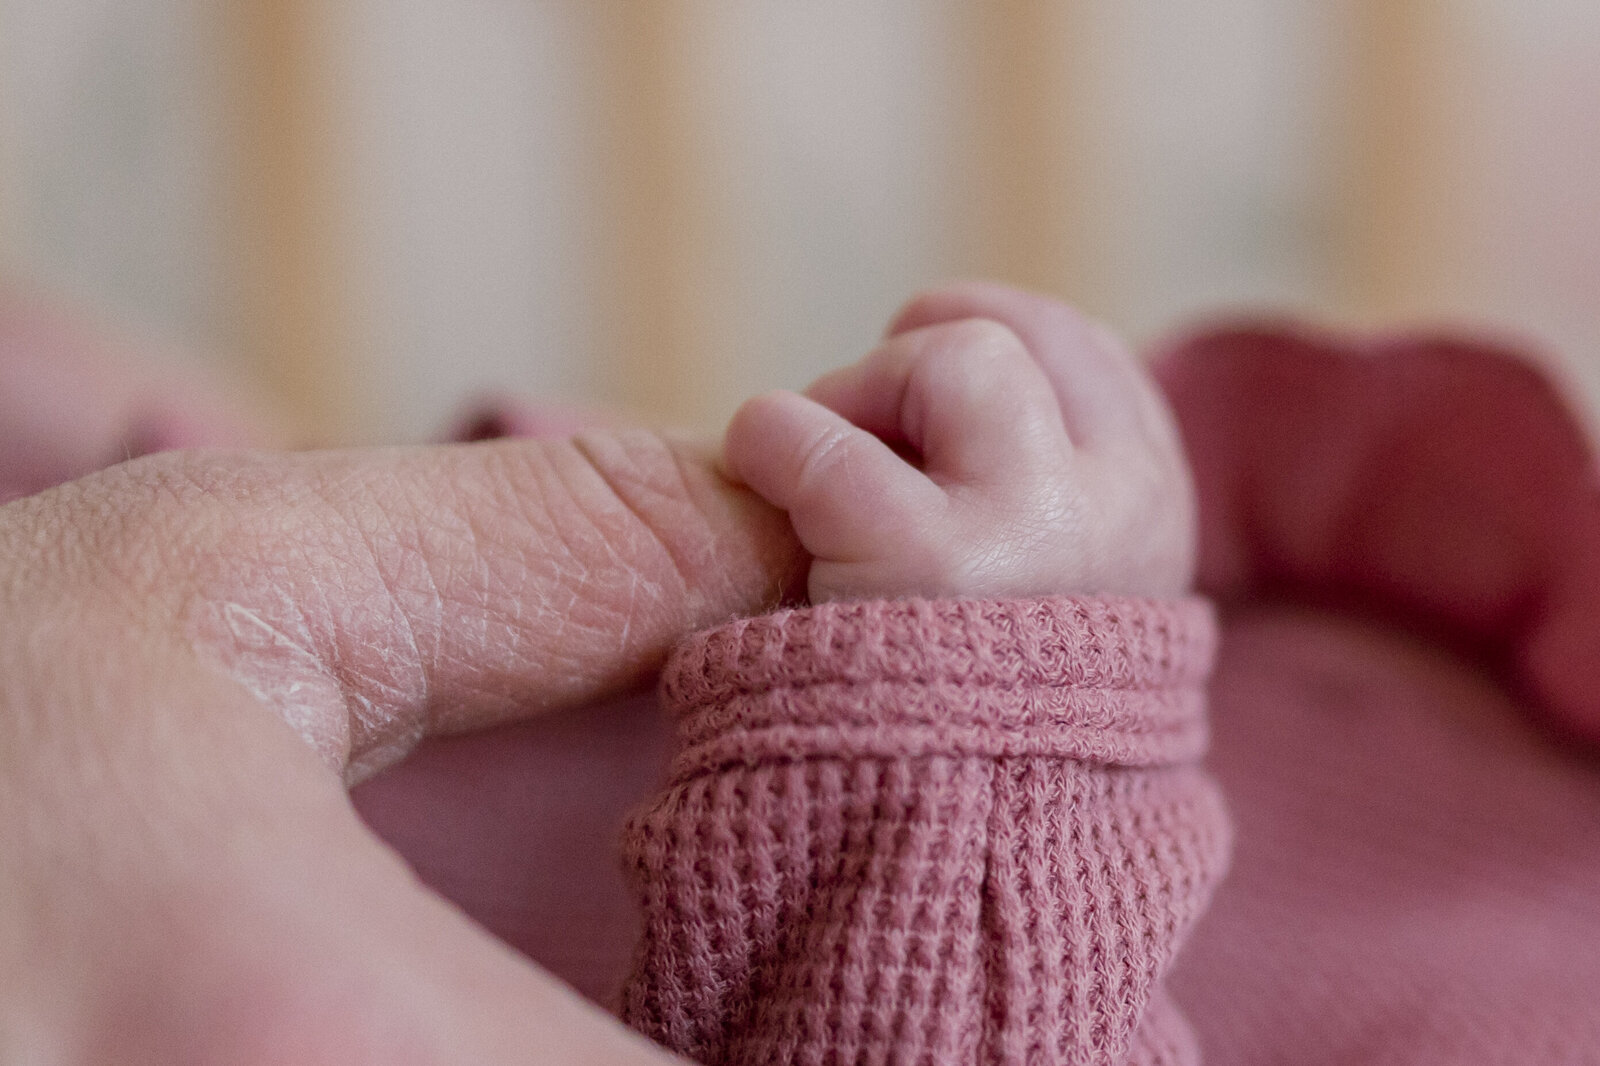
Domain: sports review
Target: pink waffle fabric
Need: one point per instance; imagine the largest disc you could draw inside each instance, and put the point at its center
(981, 832)
(929, 832)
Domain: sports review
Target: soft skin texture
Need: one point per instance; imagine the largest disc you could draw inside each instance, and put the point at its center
(995, 444)
(182, 876)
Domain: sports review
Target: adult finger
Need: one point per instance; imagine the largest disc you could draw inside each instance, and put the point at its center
(374, 596)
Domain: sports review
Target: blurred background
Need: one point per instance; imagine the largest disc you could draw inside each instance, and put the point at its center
(376, 209)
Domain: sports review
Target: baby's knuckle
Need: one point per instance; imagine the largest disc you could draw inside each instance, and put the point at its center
(985, 339)
(980, 353)
(823, 463)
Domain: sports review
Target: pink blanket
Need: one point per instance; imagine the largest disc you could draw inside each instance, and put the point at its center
(1403, 537)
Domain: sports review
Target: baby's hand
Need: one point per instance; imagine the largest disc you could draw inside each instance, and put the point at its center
(996, 444)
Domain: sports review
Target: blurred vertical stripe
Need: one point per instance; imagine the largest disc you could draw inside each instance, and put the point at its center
(294, 328)
(1030, 147)
(665, 204)
(666, 332)
(1402, 197)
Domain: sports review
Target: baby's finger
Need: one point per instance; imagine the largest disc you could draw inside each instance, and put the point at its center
(847, 493)
(1105, 397)
(966, 395)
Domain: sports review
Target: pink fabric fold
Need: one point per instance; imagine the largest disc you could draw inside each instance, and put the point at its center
(1438, 480)
(1402, 533)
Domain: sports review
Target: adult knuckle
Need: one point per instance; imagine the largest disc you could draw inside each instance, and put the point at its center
(644, 505)
(974, 358)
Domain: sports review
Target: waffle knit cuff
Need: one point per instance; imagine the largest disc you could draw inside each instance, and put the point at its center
(929, 832)
(1106, 680)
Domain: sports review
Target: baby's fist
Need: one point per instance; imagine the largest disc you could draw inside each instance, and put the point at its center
(996, 444)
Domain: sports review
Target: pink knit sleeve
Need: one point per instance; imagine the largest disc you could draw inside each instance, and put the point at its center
(929, 832)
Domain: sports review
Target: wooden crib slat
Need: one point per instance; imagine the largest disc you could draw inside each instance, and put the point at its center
(1401, 194)
(666, 337)
(293, 289)
(1030, 134)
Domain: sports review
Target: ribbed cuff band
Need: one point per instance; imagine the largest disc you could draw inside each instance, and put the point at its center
(1100, 679)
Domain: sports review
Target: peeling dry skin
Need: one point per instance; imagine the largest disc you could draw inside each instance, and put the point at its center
(462, 586)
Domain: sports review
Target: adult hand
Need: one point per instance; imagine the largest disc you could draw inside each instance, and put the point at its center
(199, 649)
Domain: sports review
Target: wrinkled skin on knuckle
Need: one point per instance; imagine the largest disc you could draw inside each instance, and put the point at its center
(267, 575)
(714, 549)
(367, 598)
(466, 586)
(544, 564)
